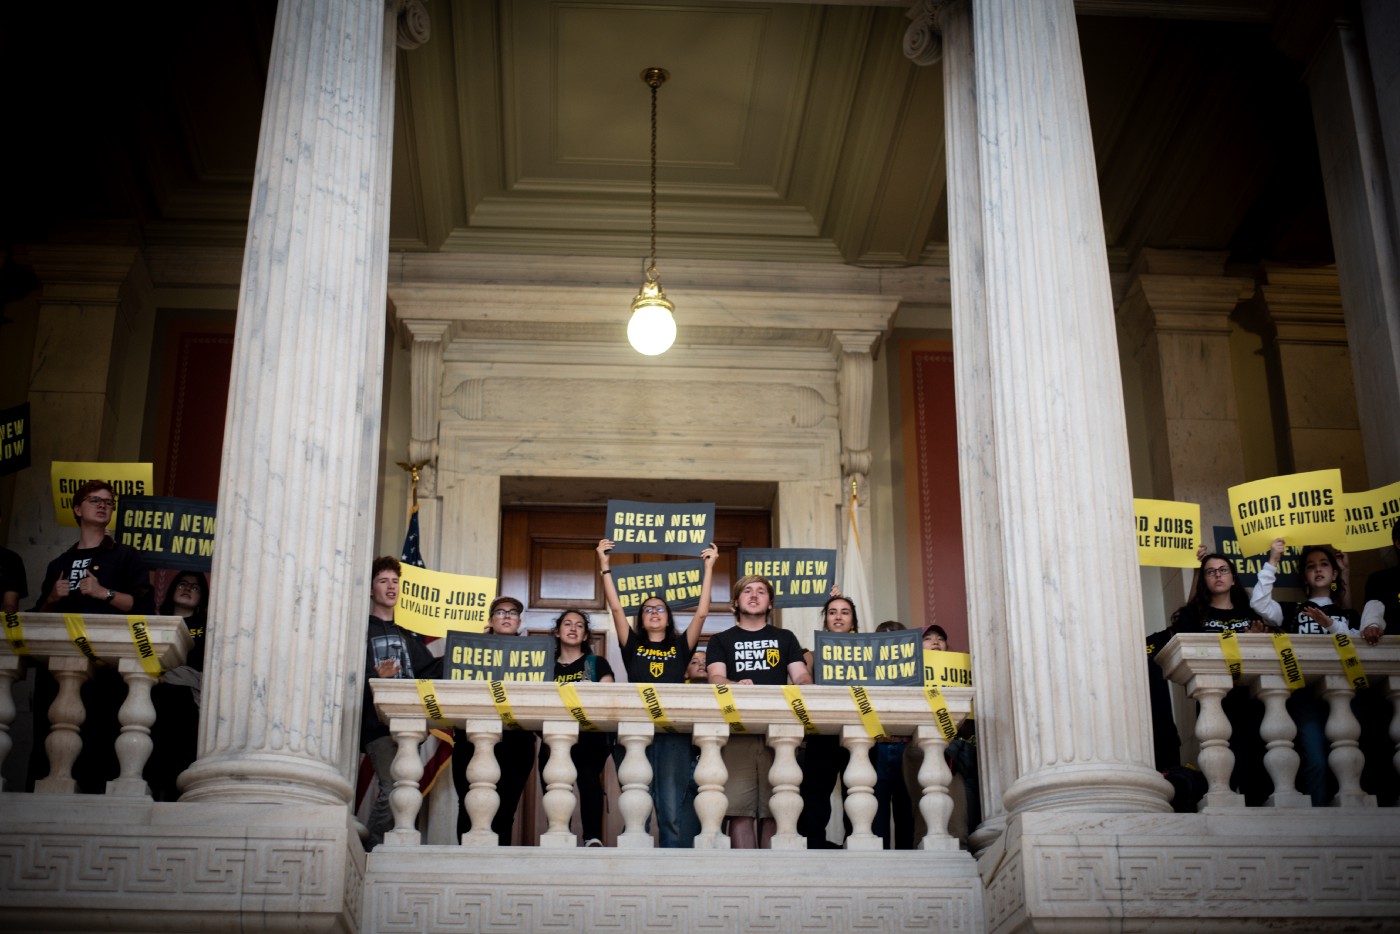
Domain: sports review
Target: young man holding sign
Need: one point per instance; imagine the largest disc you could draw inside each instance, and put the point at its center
(390, 652)
(752, 651)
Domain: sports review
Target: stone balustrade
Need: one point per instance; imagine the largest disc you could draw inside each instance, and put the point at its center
(71, 645)
(694, 709)
(1197, 662)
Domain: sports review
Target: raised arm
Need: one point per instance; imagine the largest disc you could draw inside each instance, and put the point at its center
(610, 592)
(697, 622)
(1262, 599)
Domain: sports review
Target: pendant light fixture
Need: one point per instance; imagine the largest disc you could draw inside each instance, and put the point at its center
(652, 329)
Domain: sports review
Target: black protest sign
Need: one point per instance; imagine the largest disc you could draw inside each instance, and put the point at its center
(171, 532)
(679, 583)
(1247, 567)
(800, 576)
(660, 528)
(479, 656)
(869, 658)
(14, 439)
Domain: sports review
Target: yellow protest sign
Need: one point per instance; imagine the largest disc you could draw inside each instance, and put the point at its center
(432, 602)
(67, 476)
(1168, 533)
(1301, 507)
(948, 669)
(1367, 518)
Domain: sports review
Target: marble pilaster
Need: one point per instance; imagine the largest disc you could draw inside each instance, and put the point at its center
(300, 449)
(1315, 367)
(977, 467)
(1176, 321)
(93, 298)
(1354, 84)
(1080, 713)
(855, 378)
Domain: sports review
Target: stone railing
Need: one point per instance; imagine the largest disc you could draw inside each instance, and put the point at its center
(764, 711)
(70, 646)
(1197, 662)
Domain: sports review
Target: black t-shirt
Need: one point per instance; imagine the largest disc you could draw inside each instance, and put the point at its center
(1384, 587)
(577, 670)
(1212, 619)
(661, 662)
(761, 656)
(116, 567)
(1297, 622)
(12, 577)
(383, 640)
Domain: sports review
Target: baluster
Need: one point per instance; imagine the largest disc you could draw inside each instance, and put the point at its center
(710, 776)
(10, 668)
(785, 776)
(133, 746)
(634, 775)
(407, 768)
(934, 803)
(1343, 731)
(66, 716)
(559, 777)
(1213, 732)
(1278, 730)
(859, 778)
(483, 772)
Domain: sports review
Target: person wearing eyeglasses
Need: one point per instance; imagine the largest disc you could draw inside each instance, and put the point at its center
(655, 653)
(176, 698)
(515, 753)
(96, 575)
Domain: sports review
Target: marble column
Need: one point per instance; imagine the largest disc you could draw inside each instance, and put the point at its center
(300, 451)
(94, 299)
(1176, 320)
(1071, 583)
(977, 468)
(1310, 338)
(1355, 83)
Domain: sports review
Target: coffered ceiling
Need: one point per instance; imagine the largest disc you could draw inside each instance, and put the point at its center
(786, 130)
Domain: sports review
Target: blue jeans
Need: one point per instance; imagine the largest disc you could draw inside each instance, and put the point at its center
(669, 755)
(1310, 715)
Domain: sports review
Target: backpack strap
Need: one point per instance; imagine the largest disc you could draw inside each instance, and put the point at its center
(590, 666)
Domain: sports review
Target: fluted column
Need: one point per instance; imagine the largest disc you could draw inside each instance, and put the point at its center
(300, 452)
(977, 467)
(1353, 86)
(1083, 740)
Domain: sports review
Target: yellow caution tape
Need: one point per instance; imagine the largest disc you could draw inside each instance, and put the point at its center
(866, 709)
(799, 708)
(1351, 665)
(14, 634)
(1230, 646)
(569, 695)
(141, 638)
(1288, 660)
(652, 702)
(498, 697)
(428, 696)
(941, 716)
(78, 633)
(725, 698)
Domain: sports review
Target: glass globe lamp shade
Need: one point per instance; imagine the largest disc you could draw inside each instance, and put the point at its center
(652, 329)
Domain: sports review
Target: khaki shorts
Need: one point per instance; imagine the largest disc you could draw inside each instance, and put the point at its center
(748, 759)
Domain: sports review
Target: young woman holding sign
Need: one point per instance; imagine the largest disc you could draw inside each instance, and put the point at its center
(655, 653)
(1219, 604)
(823, 757)
(1324, 577)
(574, 661)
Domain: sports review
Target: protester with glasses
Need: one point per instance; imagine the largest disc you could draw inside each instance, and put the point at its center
(654, 653)
(515, 753)
(94, 576)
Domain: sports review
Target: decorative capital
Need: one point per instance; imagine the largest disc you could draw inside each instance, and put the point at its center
(414, 28)
(923, 40)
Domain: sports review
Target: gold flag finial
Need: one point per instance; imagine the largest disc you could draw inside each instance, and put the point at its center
(415, 473)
